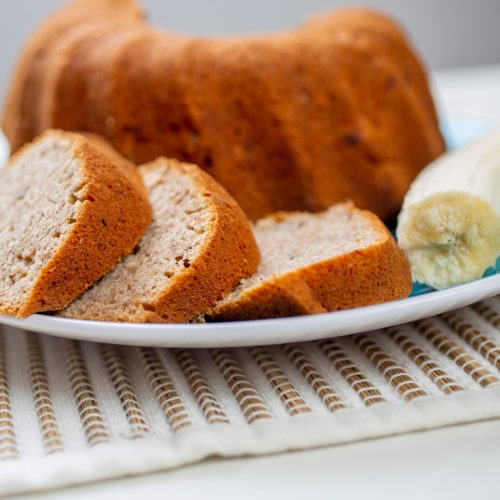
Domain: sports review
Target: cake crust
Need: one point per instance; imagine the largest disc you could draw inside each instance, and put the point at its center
(106, 212)
(338, 108)
(320, 276)
(197, 249)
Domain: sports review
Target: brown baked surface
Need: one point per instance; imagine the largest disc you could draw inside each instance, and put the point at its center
(196, 250)
(313, 263)
(69, 213)
(336, 109)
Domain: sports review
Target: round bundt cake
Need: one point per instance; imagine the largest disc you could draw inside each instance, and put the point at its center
(336, 109)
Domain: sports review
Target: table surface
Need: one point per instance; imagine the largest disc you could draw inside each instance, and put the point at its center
(459, 462)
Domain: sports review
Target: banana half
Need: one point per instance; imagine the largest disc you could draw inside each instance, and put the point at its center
(449, 224)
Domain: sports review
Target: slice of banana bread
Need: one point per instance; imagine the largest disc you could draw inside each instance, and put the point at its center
(69, 213)
(312, 263)
(197, 249)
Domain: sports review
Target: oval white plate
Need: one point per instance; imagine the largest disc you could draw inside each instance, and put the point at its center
(264, 332)
(423, 303)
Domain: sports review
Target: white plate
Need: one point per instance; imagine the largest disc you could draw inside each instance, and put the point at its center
(264, 332)
(423, 303)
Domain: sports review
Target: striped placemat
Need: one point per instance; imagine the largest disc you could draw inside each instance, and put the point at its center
(73, 412)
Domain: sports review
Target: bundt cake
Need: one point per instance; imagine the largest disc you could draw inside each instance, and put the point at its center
(336, 109)
(318, 262)
(196, 250)
(69, 213)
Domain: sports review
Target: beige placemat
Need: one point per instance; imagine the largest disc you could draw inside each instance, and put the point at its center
(75, 412)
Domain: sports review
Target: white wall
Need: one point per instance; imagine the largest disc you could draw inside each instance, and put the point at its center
(446, 32)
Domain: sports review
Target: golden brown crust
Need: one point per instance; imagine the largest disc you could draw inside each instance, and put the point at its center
(113, 216)
(374, 274)
(271, 117)
(228, 254)
(32, 85)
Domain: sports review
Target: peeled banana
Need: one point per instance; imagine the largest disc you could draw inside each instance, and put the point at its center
(449, 224)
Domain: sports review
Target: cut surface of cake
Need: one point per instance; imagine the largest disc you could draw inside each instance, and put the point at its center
(198, 247)
(69, 213)
(314, 263)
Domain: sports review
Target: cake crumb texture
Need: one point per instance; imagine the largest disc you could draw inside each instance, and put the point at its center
(69, 213)
(197, 249)
(339, 259)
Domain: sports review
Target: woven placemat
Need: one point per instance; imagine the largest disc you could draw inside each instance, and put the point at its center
(74, 412)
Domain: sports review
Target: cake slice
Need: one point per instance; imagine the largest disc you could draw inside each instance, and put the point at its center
(70, 211)
(312, 263)
(196, 250)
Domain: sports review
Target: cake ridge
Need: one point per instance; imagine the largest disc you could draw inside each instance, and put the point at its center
(337, 108)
